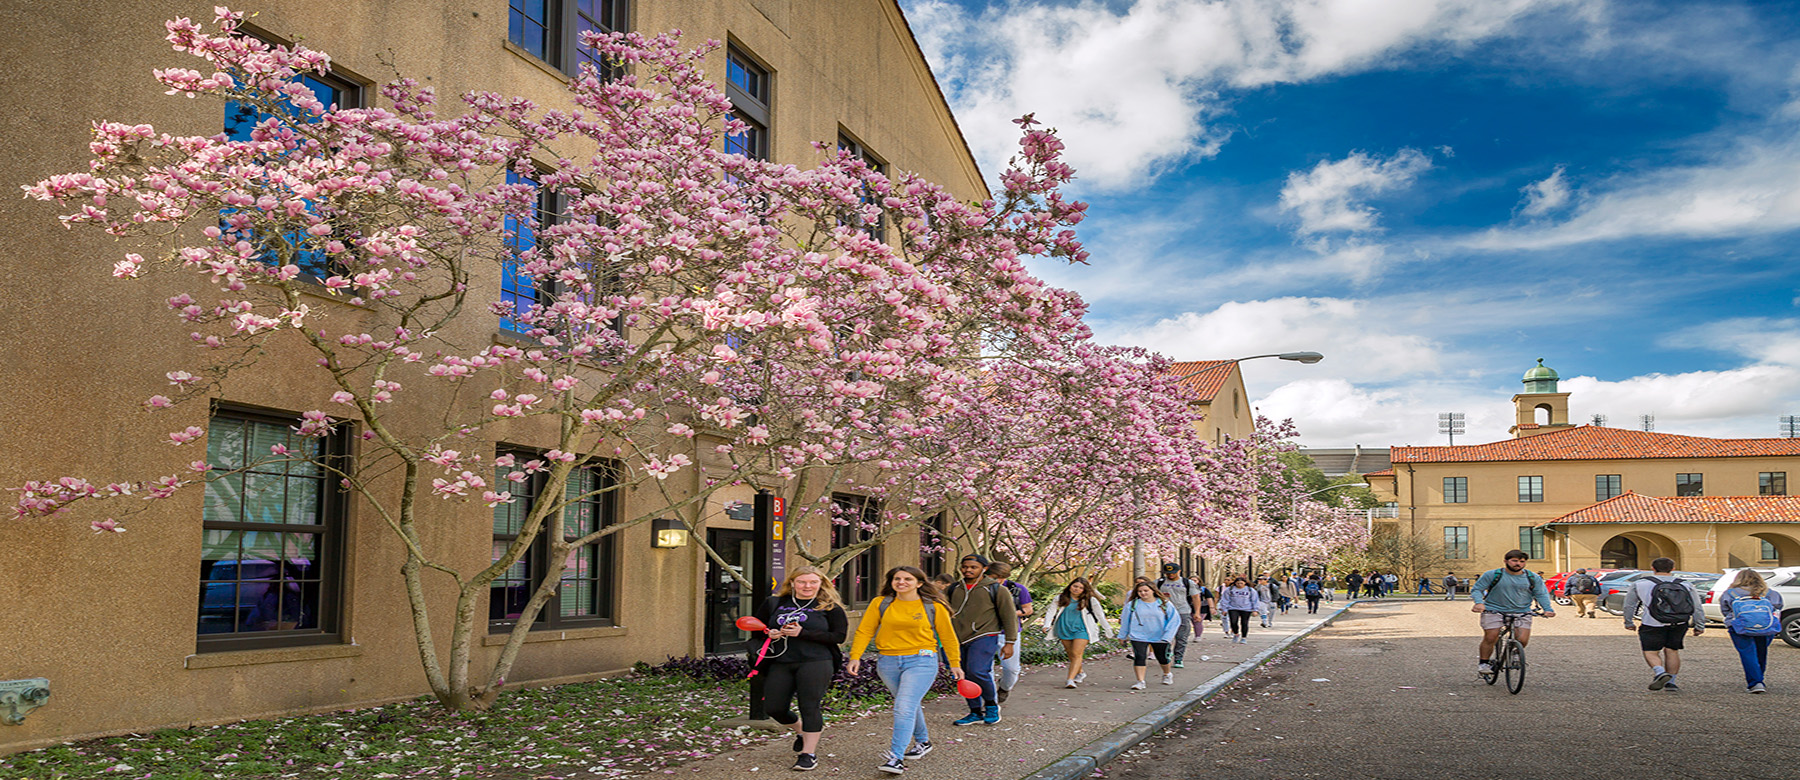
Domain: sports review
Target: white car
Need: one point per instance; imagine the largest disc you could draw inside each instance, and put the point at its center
(1785, 581)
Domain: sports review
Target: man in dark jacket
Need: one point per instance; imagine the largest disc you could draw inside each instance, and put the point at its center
(983, 613)
(1581, 588)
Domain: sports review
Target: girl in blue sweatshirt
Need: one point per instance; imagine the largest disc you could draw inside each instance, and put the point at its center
(1149, 622)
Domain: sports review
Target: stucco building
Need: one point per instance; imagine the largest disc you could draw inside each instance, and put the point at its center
(1585, 495)
(161, 626)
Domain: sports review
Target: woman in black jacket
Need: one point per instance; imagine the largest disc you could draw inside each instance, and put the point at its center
(807, 623)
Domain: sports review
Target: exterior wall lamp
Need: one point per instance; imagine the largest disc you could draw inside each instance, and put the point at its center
(668, 533)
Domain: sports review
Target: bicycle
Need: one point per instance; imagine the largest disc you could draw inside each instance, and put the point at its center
(1509, 654)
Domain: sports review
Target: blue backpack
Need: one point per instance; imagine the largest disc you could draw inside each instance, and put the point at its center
(1753, 617)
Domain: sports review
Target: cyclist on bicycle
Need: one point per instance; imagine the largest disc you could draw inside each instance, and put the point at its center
(1507, 590)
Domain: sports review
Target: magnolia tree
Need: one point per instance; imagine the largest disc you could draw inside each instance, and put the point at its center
(1063, 463)
(1281, 522)
(684, 305)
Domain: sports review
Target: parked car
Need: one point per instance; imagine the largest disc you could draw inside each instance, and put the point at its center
(1784, 580)
(1555, 583)
(1612, 580)
(1614, 600)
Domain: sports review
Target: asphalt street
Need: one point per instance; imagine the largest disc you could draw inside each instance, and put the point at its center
(1389, 692)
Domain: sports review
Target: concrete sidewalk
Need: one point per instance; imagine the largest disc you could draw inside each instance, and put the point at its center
(1048, 731)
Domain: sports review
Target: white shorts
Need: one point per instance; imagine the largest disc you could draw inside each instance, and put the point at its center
(1491, 621)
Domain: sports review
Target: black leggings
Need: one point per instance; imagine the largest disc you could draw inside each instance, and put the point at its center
(1240, 622)
(782, 681)
(1312, 604)
(1139, 651)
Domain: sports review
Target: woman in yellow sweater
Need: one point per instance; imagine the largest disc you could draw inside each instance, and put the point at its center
(908, 644)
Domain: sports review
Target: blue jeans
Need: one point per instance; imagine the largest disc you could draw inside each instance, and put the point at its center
(908, 677)
(1753, 653)
(978, 665)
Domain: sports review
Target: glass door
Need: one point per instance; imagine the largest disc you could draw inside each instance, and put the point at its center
(726, 598)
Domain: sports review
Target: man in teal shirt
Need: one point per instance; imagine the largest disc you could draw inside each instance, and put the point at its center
(1509, 589)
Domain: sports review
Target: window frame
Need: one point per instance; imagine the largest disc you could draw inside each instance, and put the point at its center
(853, 145)
(1531, 489)
(1608, 486)
(333, 509)
(1531, 541)
(1456, 490)
(1766, 550)
(562, 28)
(1456, 542)
(1690, 484)
(537, 557)
(754, 106)
(932, 531)
(1771, 483)
(866, 564)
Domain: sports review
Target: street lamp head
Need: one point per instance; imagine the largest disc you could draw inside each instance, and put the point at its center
(1308, 358)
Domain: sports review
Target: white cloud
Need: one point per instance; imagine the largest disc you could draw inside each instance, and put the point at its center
(1751, 188)
(1331, 197)
(1543, 197)
(1356, 341)
(1335, 412)
(1136, 87)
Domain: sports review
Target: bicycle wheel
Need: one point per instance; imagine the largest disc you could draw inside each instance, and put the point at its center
(1515, 666)
(1493, 675)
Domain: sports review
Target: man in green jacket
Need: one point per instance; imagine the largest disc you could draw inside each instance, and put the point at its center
(983, 613)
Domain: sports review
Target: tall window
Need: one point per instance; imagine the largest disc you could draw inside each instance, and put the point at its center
(1531, 490)
(550, 30)
(516, 287)
(747, 84)
(1768, 552)
(1771, 483)
(241, 120)
(878, 229)
(584, 594)
(854, 522)
(1689, 485)
(1456, 490)
(932, 540)
(1456, 542)
(1606, 486)
(269, 572)
(1531, 540)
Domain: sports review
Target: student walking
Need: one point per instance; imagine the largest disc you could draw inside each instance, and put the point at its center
(808, 626)
(1353, 583)
(1182, 593)
(1239, 600)
(1450, 583)
(1076, 618)
(910, 626)
(985, 615)
(1670, 607)
(1265, 595)
(1149, 623)
(1011, 664)
(1752, 619)
(1314, 590)
(1582, 589)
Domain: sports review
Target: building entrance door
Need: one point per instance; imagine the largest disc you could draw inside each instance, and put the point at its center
(1619, 553)
(726, 599)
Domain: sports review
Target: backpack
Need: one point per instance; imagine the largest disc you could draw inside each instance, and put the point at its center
(1312, 588)
(1753, 617)
(1582, 585)
(1671, 603)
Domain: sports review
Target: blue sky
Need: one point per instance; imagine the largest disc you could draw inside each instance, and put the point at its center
(1433, 193)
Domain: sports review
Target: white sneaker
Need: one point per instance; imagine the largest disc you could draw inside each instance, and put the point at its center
(1139, 685)
(1081, 678)
(1070, 684)
(1169, 679)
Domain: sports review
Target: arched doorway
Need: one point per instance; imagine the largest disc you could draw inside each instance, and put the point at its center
(1619, 553)
(1766, 548)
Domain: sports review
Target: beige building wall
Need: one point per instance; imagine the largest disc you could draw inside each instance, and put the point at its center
(110, 620)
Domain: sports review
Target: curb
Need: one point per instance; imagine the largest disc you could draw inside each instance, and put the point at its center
(1090, 757)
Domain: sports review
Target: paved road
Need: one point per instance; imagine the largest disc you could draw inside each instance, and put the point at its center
(1402, 702)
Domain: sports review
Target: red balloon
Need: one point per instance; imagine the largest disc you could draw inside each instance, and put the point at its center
(968, 689)
(750, 623)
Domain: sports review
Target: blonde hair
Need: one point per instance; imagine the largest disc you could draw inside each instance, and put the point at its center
(1753, 584)
(828, 597)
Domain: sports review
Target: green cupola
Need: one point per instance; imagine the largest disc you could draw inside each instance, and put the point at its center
(1540, 379)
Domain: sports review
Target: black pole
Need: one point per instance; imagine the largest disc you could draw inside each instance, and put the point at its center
(761, 573)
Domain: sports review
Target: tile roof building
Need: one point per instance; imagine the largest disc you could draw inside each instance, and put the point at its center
(1217, 388)
(1594, 496)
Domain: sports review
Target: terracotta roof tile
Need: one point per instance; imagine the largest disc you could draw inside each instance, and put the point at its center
(1588, 442)
(1381, 473)
(1202, 378)
(1632, 507)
